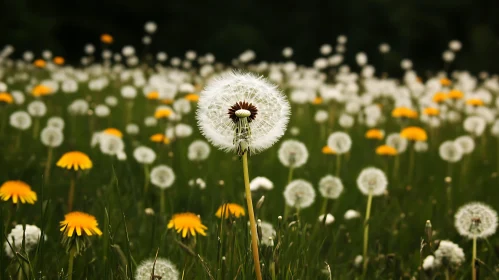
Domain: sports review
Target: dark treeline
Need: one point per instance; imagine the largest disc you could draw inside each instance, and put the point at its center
(417, 29)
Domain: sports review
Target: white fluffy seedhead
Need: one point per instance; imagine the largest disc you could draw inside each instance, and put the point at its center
(474, 125)
(162, 176)
(163, 268)
(228, 89)
(52, 137)
(261, 183)
(293, 153)
(466, 143)
(31, 236)
(20, 120)
(450, 151)
(299, 194)
(449, 255)
(372, 180)
(144, 155)
(340, 142)
(476, 219)
(396, 141)
(330, 187)
(198, 150)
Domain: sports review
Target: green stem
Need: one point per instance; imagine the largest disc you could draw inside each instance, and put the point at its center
(290, 174)
(70, 265)
(254, 242)
(366, 232)
(473, 258)
(447, 276)
(449, 188)
(48, 165)
(162, 202)
(338, 165)
(71, 193)
(36, 127)
(411, 164)
(146, 179)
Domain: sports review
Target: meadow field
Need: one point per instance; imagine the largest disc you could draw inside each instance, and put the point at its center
(134, 165)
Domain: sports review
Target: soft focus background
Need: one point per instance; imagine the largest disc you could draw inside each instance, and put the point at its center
(416, 29)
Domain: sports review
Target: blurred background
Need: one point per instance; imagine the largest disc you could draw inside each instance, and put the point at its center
(415, 29)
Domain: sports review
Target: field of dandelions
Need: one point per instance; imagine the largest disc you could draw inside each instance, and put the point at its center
(133, 165)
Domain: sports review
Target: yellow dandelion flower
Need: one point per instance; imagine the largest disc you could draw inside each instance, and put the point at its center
(40, 63)
(317, 101)
(192, 97)
(41, 90)
(75, 160)
(106, 38)
(445, 82)
(455, 94)
(153, 95)
(404, 112)
(328, 151)
(431, 111)
(474, 102)
(187, 223)
(375, 134)
(59, 60)
(17, 190)
(113, 131)
(79, 222)
(439, 97)
(385, 150)
(159, 138)
(230, 210)
(414, 133)
(162, 113)
(6, 98)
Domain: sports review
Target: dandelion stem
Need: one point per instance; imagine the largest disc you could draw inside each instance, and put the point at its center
(71, 193)
(36, 127)
(162, 202)
(146, 179)
(447, 276)
(338, 165)
(473, 259)
(290, 174)
(48, 165)
(411, 164)
(70, 265)
(366, 232)
(254, 235)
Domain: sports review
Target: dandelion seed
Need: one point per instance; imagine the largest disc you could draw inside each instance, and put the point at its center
(261, 183)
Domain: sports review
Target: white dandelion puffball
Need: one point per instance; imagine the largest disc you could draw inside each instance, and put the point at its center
(397, 141)
(292, 153)
(37, 108)
(121, 155)
(182, 106)
(321, 116)
(429, 262)
(78, 107)
(111, 101)
(183, 130)
(329, 219)
(261, 183)
(198, 150)
(287, 52)
(110, 144)
(450, 151)
(494, 130)
(102, 111)
(132, 129)
(351, 214)
(163, 268)
(268, 233)
(330, 187)
(299, 194)
(372, 181)
(51, 136)
(56, 122)
(455, 45)
(69, 86)
(449, 254)
(346, 121)
(421, 146)
(144, 155)
(474, 125)
(475, 219)
(20, 120)
(358, 261)
(295, 131)
(245, 102)
(162, 176)
(340, 142)
(31, 237)
(128, 92)
(19, 97)
(150, 27)
(466, 143)
(150, 121)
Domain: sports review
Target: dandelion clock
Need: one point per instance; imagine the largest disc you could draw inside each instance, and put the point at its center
(245, 114)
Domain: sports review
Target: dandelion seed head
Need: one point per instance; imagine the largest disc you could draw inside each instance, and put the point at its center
(330, 187)
(474, 125)
(20, 120)
(183, 130)
(51, 137)
(56, 122)
(37, 108)
(222, 93)
(144, 155)
(162, 176)
(449, 255)
(110, 144)
(429, 262)
(321, 116)
(299, 194)
(163, 268)
(396, 141)
(198, 150)
(102, 111)
(268, 233)
(340, 142)
(78, 107)
(261, 183)
(372, 180)
(329, 219)
(475, 219)
(450, 151)
(421, 146)
(466, 143)
(293, 153)
(31, 237)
